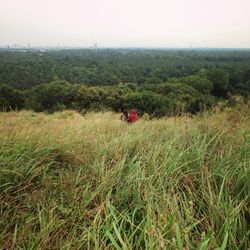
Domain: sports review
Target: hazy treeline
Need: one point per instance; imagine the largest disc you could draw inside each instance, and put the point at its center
(158, 82)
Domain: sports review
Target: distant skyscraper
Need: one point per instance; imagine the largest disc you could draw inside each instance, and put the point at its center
(95, 46)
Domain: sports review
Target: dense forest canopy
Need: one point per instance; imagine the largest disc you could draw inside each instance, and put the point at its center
(156, 81)
(25, 69)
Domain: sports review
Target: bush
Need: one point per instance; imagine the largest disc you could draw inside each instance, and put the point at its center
(149, 102)
(51, 97)
(10, 98)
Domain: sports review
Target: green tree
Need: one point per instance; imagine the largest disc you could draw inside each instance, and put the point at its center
(10, 98)
(51, 97)
(202, 84)
(220, 80)
(149, 102)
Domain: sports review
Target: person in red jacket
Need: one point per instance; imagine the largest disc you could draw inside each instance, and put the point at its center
(133, 117)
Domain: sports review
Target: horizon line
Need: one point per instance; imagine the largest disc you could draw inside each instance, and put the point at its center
(61, 47)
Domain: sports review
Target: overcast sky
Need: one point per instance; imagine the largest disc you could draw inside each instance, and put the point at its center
(126, 23)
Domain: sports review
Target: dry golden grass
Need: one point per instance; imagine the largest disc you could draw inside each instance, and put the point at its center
(74, 182)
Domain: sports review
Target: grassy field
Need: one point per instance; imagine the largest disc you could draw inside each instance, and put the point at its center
(94, 182)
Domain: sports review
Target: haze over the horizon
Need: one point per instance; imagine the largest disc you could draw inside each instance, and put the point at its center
(130, 23)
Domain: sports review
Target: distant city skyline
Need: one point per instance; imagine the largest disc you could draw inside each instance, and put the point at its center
(130, 23)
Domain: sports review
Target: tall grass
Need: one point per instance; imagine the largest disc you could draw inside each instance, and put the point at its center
(94, 182)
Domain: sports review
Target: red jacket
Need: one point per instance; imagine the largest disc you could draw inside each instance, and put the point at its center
(133, 116)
